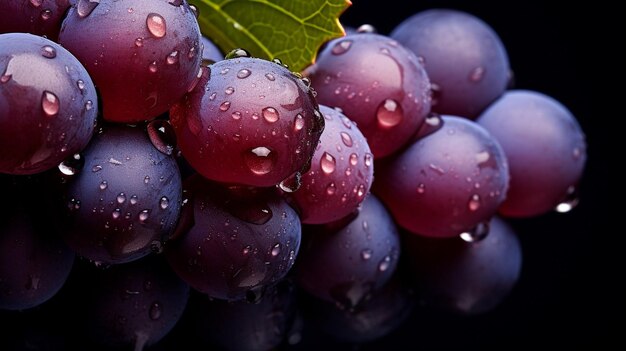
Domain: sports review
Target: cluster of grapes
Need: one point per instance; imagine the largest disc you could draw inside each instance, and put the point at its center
(129, 141)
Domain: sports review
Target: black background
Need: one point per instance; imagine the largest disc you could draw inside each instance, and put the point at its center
(568, 292)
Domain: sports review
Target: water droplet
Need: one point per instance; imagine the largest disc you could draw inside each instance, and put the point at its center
(436, 169)
(360, 192)
(368, 159)
(121, 198)
(327, 163)
(139, 42)
(114, 161)
(116, 213)
(156, 25)
(435, 93)
(421, 188)
(162, 136)
(50, 103)
(270, 114)
(354, 159)
(96, 168)
(366, 28)
(144, 215)
(341, 47)
(477, 233)
(164, 203)
(477, 74)
(432, 123)
(152, 67)
(36, 3)
(146, 179)
(270, 77)
(331, 189)
(72, 165)
(172, 58)
(298, 122)
(389, 113)
(237, 53)
(291, 183)
(5, 78)
(474, 203)
(48, 51)
(347, 140)
(229, 90)
(224, 106)
(155, 311)
(366, 254)
(576, 153)
(246, 250)
(175, 2)
(260, 160)
(384, 263)
(46, 14)
(194, 10)
(33, 283)
(80, 84)
(570, 201)
(275, 250)
(103, 185)
(134, 199)
(85, 7)
(243, 73)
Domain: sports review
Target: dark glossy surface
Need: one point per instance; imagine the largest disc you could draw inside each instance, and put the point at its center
(249, 121)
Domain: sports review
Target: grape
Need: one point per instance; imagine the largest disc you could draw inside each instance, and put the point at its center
(135, 303)
(210, 51)
(126, 200)
(236, 242)
(40, 17)
(48, 104)
(545, 148)
(373, 319)
(446, 183)
(242, 325)
(378, 84)
(34, 261)
(341, 172)
(465, 60)
(143, 69)
(346, 262)
(465, 277)
(249, 121)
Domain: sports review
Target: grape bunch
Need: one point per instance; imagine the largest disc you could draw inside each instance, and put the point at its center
(165, 194)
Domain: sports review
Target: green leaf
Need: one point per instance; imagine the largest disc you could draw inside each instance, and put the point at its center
(290, 30)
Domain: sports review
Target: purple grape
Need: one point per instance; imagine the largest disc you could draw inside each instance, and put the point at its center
(40, 17)
(545, 148)
(341, 172)
(237, 241)
(126, 200)
(375, 318)
(133, 304)
(465, 277)
(210, 51)
(378, 84)
(465, 60)
(242, 325)
(48, 104)
(446, 183)
(142, 70)
(345, 262)
(34, 261)
(249, 121)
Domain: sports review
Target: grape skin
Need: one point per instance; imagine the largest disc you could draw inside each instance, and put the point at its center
(464, 58)
(545, 147)
(447, 182)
